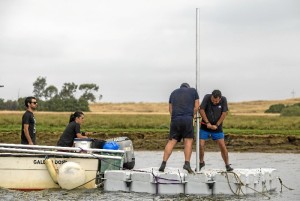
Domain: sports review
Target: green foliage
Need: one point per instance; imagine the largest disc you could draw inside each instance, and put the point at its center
(68, 90)
(87, 94)
(8, 105)
(50, 92)
(277, 108)
(63, 105)
(49, 99)
(293, 110)
(39, 87)
(290, 110)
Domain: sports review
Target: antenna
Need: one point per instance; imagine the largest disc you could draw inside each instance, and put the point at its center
(293, 93)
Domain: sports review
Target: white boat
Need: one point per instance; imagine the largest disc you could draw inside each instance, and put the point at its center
(34, 167)
(25, 167)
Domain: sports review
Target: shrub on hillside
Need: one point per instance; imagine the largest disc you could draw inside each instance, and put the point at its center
(293, 110)
(277, 108)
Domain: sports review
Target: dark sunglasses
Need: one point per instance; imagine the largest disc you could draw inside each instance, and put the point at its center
(34, 103)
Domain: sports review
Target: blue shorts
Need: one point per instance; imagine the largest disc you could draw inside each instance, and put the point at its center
(204, 135)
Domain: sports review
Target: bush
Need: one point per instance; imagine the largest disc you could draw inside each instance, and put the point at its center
(277, 108)
(293, 110)
(55, 104)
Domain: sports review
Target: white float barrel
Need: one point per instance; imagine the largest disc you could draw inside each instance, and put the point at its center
(71, 175)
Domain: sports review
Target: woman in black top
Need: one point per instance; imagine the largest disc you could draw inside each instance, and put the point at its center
(72, 131)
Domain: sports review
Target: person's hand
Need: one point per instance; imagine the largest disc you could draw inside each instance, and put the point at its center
(89, 133)
(214, 127)
(208, 125)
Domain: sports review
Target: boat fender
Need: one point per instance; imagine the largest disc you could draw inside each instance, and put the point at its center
(71, 175)
(51, 169)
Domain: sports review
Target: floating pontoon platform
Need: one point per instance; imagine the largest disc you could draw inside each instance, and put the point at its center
(206, 182)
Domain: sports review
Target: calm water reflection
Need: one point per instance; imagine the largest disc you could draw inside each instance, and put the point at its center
(287, 165)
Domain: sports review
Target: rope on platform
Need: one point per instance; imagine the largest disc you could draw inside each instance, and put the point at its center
(157, 178)
(240, 184)
(283, 185)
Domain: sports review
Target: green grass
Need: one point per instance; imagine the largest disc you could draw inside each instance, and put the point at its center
(109, 123)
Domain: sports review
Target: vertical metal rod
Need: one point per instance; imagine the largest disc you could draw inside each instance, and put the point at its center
(197, 84)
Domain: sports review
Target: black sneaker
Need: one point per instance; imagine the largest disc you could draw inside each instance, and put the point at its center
(188, 168)
(201, 165)
(162, 167)
(228, 168)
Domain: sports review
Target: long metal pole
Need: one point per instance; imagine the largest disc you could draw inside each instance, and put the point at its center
(197, 84)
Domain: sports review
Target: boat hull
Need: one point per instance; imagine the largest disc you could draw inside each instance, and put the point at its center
(29, 171)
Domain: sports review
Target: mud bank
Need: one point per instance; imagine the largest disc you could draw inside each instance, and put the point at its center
(157, 141)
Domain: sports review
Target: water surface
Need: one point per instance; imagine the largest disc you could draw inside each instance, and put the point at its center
(287, 165)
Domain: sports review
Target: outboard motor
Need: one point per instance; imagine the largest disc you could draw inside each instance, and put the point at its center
(126, 144)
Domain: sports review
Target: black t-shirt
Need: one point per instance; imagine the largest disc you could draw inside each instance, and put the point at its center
(69, 134)
(183, 102)
(213, 112)
(28, 118)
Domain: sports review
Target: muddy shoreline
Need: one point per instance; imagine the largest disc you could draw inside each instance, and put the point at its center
(156, 141)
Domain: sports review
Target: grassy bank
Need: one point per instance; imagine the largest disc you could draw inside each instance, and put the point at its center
(147, 124)
(235, 124)
(150, 132)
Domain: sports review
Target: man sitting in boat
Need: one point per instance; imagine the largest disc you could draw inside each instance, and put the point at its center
(72, 130)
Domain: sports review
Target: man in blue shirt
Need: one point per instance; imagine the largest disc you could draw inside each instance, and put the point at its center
(183, 104)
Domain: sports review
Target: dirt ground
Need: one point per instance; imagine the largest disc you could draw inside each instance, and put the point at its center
(157, 141)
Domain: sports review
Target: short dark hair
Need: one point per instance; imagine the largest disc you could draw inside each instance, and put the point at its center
(28, 100)
(216, 93)
(185, 85)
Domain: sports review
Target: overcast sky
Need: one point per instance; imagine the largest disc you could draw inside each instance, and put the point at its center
(141, 50)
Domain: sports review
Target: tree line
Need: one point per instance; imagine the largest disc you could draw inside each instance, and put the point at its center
(51, 99)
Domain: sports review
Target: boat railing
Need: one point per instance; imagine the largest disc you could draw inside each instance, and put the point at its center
(66, 151)
(76, 149)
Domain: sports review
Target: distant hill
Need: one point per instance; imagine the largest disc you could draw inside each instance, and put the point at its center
(238, 108)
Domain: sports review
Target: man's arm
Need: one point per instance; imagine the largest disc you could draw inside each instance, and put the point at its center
(221, 119)
(79, 135)
(27, 135)
(205, 119)
(170, 108)
(203, 115)
(196, 107)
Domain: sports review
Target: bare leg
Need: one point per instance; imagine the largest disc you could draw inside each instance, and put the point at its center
(168, 149)
(202, 148)
(224, 151)
(188, 145)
